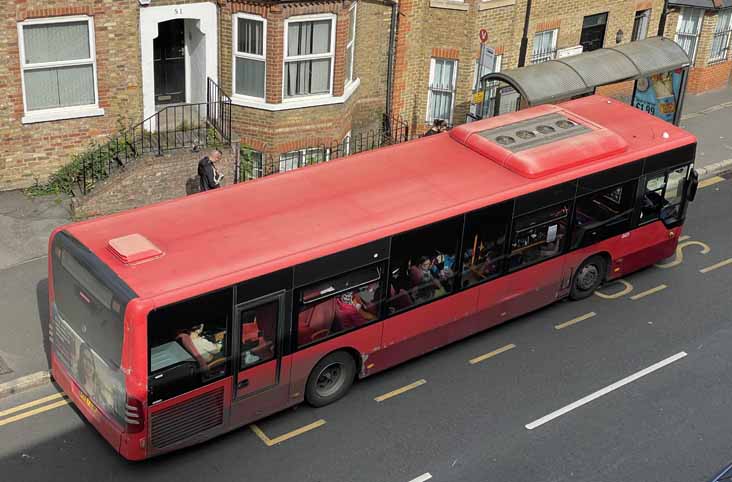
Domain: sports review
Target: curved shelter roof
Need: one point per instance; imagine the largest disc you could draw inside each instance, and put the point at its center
(581, 74)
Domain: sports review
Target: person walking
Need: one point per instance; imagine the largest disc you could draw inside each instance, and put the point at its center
(208, 176)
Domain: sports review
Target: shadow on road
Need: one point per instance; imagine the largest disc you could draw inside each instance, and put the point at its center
(43, 315)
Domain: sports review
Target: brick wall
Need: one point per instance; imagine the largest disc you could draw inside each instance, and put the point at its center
(275, 132)
(149, 180)
(33, 151)
(434, 28)
(704, 75)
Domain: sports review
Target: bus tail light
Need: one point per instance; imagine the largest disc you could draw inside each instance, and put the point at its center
(134, 416)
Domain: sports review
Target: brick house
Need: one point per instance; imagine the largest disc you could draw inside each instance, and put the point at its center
(438, 44)
(299, 73)
(79, 70)
(703, 28)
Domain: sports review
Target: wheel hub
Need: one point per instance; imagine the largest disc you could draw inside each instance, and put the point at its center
(587, 277)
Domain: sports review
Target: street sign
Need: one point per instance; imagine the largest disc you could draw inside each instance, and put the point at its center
(569, 51)
(483, 34)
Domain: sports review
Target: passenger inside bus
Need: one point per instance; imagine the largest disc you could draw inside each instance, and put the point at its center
(341, 312)
(258, 329)
(208, 354)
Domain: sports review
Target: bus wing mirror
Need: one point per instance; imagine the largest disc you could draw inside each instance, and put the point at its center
(693, 185)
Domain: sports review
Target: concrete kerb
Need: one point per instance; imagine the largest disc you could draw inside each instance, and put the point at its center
(24, 383)
(715, 169)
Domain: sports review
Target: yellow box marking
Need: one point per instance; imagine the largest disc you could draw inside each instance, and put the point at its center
(648, 292)
(399, 391)
(20, 408)
(481, 358)
(710, 182)
(628, 288)
(36, 411)
(274, 441)
(716, 265)
(573, 321)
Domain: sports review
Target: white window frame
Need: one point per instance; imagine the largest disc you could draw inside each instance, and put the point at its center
(645, 22)
(283, 167)
(553, 42)
(352, 13)
(330, 55)
(682, 13)
(59, 113)
(719, 30)
(236, 54)
(428, 118)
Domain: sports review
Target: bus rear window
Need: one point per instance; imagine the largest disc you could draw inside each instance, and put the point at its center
(89, 297)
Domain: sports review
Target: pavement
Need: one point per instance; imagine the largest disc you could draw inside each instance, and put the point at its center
(25, 224)
(651, 368)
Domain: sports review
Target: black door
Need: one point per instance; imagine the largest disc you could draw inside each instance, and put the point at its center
(170, 68)
(593, 32)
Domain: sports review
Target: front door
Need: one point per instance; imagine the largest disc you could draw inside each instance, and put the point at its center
(170, 65)
(262, 381)
(593, 32)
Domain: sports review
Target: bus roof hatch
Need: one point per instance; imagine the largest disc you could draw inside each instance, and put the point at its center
(133, 248)
(529, 144)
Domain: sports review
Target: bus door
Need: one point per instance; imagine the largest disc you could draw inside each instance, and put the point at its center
(261, 382)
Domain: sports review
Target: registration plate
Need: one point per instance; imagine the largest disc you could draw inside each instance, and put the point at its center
(87, 401)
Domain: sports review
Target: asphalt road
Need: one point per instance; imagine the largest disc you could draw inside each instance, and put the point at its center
(468, 422)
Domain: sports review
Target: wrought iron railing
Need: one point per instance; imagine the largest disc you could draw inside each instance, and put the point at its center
(173, 127)
(540, 56)
(254, 164)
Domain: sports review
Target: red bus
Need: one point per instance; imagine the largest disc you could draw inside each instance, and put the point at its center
(179, 321)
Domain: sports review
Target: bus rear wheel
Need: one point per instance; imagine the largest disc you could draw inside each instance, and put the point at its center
(588, 277)
(331, 378)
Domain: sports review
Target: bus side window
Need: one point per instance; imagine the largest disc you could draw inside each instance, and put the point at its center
(603, 214)
(339, 304)
(423, 264)
(484, 243)
(188, 343)
(538, 236)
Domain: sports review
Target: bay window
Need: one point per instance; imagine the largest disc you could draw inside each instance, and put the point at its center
(250, 51)
(309, 47)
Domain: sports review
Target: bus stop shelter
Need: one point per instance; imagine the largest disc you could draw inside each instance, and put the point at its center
(659, 67)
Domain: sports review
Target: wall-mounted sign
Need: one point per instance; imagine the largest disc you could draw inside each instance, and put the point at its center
(483, 34)
(569, 51)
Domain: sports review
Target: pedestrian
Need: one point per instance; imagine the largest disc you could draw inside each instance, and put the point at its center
(438, 125)
(208, 176)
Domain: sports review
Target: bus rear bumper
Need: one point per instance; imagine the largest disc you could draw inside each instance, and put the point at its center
(112, 433)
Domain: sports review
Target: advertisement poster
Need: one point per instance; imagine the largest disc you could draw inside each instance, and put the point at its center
(659, 94)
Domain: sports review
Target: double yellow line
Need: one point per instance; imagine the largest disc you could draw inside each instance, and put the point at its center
(22, 411)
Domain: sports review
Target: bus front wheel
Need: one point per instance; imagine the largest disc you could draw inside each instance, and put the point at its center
(588, 277)
(330, 379)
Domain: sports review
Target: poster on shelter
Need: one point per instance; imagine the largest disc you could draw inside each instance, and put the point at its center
(659, 94)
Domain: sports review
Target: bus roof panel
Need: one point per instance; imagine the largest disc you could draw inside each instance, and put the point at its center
(212, 239)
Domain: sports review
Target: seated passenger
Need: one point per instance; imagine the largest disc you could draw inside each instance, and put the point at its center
(425, 285)
(202, 349)
(350, 312)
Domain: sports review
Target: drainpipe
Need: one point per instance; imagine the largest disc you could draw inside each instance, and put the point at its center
(525, 36)
(662, 21)
(390, 57)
